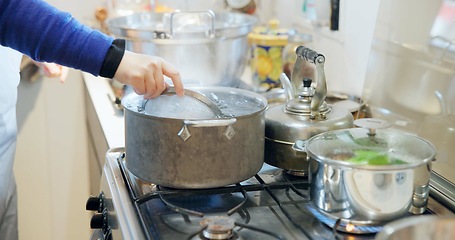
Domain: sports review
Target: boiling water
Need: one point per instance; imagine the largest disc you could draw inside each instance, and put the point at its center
(235, 104)
(173, 106)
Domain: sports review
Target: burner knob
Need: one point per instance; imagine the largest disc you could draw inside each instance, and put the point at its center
(95, 203)
(99, 221)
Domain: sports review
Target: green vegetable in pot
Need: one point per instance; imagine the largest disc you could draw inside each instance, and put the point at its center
(372, 157)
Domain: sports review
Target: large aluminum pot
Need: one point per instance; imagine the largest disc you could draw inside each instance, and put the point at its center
(209, 49)
(197, 152)
(369, 175)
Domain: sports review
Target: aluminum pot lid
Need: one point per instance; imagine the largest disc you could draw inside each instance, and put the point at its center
(374, 148)
(169, 105)
(232, 102)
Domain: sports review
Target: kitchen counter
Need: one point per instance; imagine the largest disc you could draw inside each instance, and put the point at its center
(104, 123)
(109, 117)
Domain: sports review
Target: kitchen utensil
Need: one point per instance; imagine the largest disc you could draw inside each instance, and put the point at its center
(391, 180)
(208, 48)
(303, 115)
(197, 153)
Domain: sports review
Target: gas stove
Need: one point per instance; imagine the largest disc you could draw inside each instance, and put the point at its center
(270, 205)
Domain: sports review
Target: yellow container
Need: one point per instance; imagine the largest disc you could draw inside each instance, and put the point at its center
(266, 62)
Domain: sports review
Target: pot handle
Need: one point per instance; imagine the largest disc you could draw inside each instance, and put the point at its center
(300, 146)
(229, 132)
(210, 13)
(210, 122)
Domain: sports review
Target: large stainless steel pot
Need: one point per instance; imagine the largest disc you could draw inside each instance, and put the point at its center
(369, 176)
(193, 152)
(209, 49)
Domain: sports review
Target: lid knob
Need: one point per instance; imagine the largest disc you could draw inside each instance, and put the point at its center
(302, 104)
(306, 82)
(371, 124)
(307, 90)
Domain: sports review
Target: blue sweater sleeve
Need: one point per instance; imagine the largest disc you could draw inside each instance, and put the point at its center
(47, 34)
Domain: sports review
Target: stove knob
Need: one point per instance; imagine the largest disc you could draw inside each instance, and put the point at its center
(95, 203)
(98, 221)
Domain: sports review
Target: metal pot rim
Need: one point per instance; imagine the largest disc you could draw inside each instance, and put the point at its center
(125, 26)
(133, 96)
(347, 165)
(326, 160)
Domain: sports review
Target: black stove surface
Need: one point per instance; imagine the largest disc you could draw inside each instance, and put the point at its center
(270, 205)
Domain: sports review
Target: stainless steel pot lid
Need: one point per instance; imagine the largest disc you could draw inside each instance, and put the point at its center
(374, 148)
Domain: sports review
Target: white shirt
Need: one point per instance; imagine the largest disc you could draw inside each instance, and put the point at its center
(9, 79)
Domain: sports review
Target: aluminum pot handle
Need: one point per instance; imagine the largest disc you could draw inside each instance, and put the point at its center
(229, 132)
(210, 13)
(210, 122)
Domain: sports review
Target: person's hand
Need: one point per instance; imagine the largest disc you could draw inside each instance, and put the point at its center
(145, 74)
(53, 70)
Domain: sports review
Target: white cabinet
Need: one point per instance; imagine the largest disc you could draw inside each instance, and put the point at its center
(51, 164)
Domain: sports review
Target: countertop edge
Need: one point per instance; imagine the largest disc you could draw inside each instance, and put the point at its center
(110, 118)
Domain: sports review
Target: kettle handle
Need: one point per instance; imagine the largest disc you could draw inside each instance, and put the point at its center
(308, 54)
(321, 87)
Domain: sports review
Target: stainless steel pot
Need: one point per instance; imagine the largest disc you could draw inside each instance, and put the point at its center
(197, 153)
(419, 228)
(369, 176)
(209, 49)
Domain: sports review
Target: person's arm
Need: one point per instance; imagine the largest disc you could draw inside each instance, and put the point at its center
(47, 34)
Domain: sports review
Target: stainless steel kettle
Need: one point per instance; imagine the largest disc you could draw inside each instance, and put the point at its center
(304, 114)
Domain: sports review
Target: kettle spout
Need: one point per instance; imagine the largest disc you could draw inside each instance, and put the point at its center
(287, 86)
